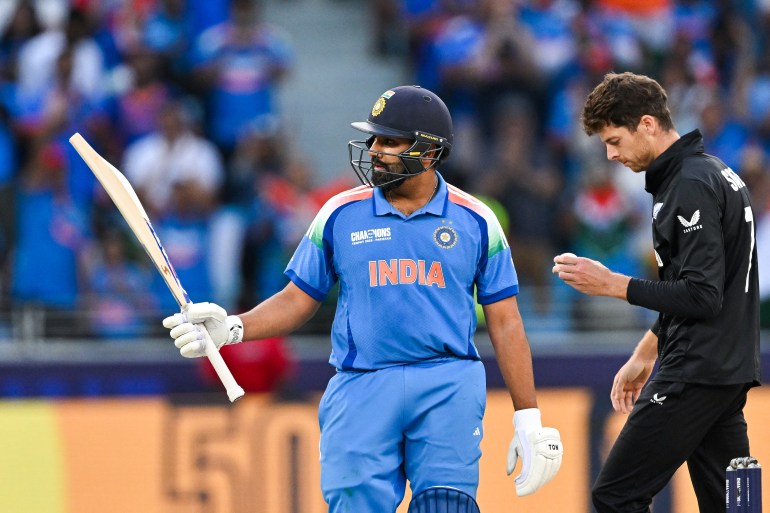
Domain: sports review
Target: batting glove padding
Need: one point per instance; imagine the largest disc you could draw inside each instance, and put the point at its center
(540, 450)
(188, 336)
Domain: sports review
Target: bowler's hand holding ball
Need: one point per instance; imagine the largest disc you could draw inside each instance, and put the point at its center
(589, 276)
(563, 259)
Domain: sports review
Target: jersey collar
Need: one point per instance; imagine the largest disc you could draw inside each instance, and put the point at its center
(663, 168)
(435, 206)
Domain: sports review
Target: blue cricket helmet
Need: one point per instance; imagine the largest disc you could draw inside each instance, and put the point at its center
(410, 112)
(406, 112)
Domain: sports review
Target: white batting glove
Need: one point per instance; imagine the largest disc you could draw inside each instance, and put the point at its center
(188, 336)
(540, 450)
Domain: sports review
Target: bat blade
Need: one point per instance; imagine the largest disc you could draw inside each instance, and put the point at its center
(125, 199)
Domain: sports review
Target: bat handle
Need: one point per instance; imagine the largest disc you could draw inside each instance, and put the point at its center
(234, 391)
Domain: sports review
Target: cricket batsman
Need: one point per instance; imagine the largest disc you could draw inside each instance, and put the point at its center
(409, 251)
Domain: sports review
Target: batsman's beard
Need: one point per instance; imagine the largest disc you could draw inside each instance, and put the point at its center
(389, 179)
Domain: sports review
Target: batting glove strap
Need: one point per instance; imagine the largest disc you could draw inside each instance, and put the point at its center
(540, 450)
(528, 419)
(234, 329)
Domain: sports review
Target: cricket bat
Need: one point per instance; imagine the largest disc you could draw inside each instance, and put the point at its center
(125, 198)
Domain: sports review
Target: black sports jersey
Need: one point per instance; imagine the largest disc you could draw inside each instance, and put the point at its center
(707, 296)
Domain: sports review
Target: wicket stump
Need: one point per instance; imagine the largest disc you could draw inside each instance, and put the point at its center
(743, 486)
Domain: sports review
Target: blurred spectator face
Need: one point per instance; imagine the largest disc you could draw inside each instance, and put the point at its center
(753, 166)
(114, 248)
(753, 160)
(515, 130)
(266, 148)
(259, 145)
(64, 67)
(494, 8)
(171, 121)
(24, 22)
(298, 174)
(78, 26)
(460, 6)
(244, 13)
(755, 171)
(175, 7)
(49, 169)
(145, 67)
(190, 201)
(712, 117)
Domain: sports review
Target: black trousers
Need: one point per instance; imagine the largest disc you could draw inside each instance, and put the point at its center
(673, 423)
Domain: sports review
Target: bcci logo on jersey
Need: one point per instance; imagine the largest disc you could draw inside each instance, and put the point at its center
(445, 237)
(370, 235)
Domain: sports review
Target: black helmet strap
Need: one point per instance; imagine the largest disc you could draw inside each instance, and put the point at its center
(412, 158)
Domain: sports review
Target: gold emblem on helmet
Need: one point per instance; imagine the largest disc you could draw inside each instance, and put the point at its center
(379, 106)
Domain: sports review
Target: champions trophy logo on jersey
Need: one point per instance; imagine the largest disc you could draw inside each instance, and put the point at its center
(445, 237)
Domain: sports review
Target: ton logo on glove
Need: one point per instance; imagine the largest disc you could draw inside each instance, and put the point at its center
(539, 448)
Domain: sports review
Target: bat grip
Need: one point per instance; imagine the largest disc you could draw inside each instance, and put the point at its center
(234, 391)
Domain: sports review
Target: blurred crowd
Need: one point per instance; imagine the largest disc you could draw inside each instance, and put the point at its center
(515, 74)
(181, 95)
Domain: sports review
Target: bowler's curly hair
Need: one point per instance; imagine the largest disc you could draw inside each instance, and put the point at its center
(622, 99)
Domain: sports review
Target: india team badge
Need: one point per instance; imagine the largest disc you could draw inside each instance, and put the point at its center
(379, 105)
(445, 237)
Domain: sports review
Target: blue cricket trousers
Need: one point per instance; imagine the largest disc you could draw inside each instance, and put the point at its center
(421, 422)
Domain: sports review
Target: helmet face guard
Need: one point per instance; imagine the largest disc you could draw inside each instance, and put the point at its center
(412, 159)
(404, 112)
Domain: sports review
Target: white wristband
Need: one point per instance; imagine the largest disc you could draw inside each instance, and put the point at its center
(527, 420)
(234, 329)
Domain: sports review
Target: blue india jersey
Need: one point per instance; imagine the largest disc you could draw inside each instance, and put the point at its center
(406, 284)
